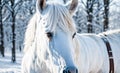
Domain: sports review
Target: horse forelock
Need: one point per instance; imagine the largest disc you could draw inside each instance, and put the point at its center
(57, 15)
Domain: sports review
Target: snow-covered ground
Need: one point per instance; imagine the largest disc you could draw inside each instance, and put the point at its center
(6, 65)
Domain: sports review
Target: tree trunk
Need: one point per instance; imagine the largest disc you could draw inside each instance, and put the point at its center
(1, 32)
(106, 14)
(89, 24)
(13, 31)
(13, 42)
(98, 17)
(89, 16)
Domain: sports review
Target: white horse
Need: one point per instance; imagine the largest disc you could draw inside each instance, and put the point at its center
(53, 46)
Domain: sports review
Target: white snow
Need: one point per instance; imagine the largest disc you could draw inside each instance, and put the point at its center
(7, 66)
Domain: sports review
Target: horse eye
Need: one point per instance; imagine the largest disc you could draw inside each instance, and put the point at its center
(49, 35)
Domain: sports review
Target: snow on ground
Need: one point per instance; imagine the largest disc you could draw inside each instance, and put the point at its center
(6, 65)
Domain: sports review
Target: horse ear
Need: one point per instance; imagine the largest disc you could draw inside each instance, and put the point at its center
(73, 6)
(40, 5)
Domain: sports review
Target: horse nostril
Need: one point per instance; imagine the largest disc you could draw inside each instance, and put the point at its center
(70, 70)
(64, 71)
(76, 70)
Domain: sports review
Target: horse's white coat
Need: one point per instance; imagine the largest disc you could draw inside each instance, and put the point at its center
(86, 51)
(92, 56)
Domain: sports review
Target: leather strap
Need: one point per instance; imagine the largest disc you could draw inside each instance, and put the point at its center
(110, 54)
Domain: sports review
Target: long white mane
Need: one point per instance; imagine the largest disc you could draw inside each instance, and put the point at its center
(54, 16)
(30, 33)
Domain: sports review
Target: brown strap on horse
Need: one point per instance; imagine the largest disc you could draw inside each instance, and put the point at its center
(110, 54)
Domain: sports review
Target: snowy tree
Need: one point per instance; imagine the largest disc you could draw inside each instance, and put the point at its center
(1, 31)
(88, 12)
(80, 19)
(2, 3)
(106, 14)
(22, 19)
(15, 18)
(13, 8)
(93, 11)
(114, 15)
(98, 16)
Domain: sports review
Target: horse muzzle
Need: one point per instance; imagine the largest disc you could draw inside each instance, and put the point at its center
(70, 70)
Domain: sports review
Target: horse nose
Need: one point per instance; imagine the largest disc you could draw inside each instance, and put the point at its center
(70, 70)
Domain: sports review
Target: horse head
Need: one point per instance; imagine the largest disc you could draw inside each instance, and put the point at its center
(58, 20)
